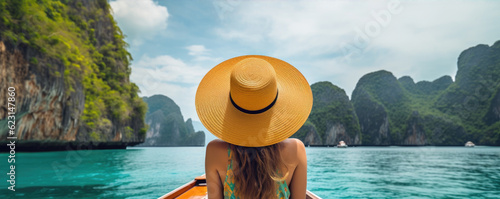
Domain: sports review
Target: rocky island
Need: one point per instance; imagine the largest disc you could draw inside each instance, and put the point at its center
(391, 111)
(68, 63)
(332, 118)
(167, 126)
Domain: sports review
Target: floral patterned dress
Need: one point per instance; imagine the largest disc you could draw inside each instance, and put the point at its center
(283, 192)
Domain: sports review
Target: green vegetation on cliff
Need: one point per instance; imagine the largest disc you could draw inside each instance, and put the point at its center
(83, 37)
(332, 117)
(167, 126)
(473, 98)
(385, 90)
(441, 112)
(408, 109)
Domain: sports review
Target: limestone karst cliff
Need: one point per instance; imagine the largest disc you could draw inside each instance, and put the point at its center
(391, 111)
(332, 118)
(442, 112)
(68, 63)
(167, 126)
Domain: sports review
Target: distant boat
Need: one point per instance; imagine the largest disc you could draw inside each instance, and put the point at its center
(197, 189)
(469, 144)
(341, 145)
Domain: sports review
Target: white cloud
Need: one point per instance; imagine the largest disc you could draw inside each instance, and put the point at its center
(140, 20)
(200, 53)
(169, 76)
(165, 68)
(422, 40)
(197, 50)
(418, 38)
(296, 27)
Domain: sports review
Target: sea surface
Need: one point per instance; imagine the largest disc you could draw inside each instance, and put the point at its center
(356, 172)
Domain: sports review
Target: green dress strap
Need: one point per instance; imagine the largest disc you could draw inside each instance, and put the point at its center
(229, 190)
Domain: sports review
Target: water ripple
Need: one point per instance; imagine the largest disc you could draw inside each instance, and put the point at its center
(360, 172)
(395, 172)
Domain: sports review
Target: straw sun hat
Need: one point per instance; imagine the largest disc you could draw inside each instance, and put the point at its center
(253, 100)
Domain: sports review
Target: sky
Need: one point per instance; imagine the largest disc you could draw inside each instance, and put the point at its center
(175, 43)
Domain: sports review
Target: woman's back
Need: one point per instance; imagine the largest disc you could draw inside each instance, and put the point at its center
(293, 155)
(254, 102)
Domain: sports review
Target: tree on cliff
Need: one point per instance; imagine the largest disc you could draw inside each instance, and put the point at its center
(69, 64)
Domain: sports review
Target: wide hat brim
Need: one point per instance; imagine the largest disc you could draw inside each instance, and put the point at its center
(282, 120)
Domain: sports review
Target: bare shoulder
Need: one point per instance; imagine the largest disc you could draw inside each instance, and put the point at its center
(216, 154)
(216, 146)
(293, 148)
(217, 143)
(293, 144)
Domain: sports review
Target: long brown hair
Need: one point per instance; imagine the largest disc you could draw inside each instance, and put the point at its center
(257, 169)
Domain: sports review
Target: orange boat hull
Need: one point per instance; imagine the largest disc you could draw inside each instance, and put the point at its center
(197, 189)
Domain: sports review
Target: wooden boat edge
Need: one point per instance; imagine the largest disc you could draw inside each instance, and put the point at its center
(180, 190)
(200, 181)
(311, 195)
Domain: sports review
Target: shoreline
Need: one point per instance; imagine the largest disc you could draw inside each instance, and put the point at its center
(47, 146)
(349, 146)
(44, 146)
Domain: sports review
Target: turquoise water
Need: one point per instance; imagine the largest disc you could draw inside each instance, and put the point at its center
(405, 172)
(360, 172)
